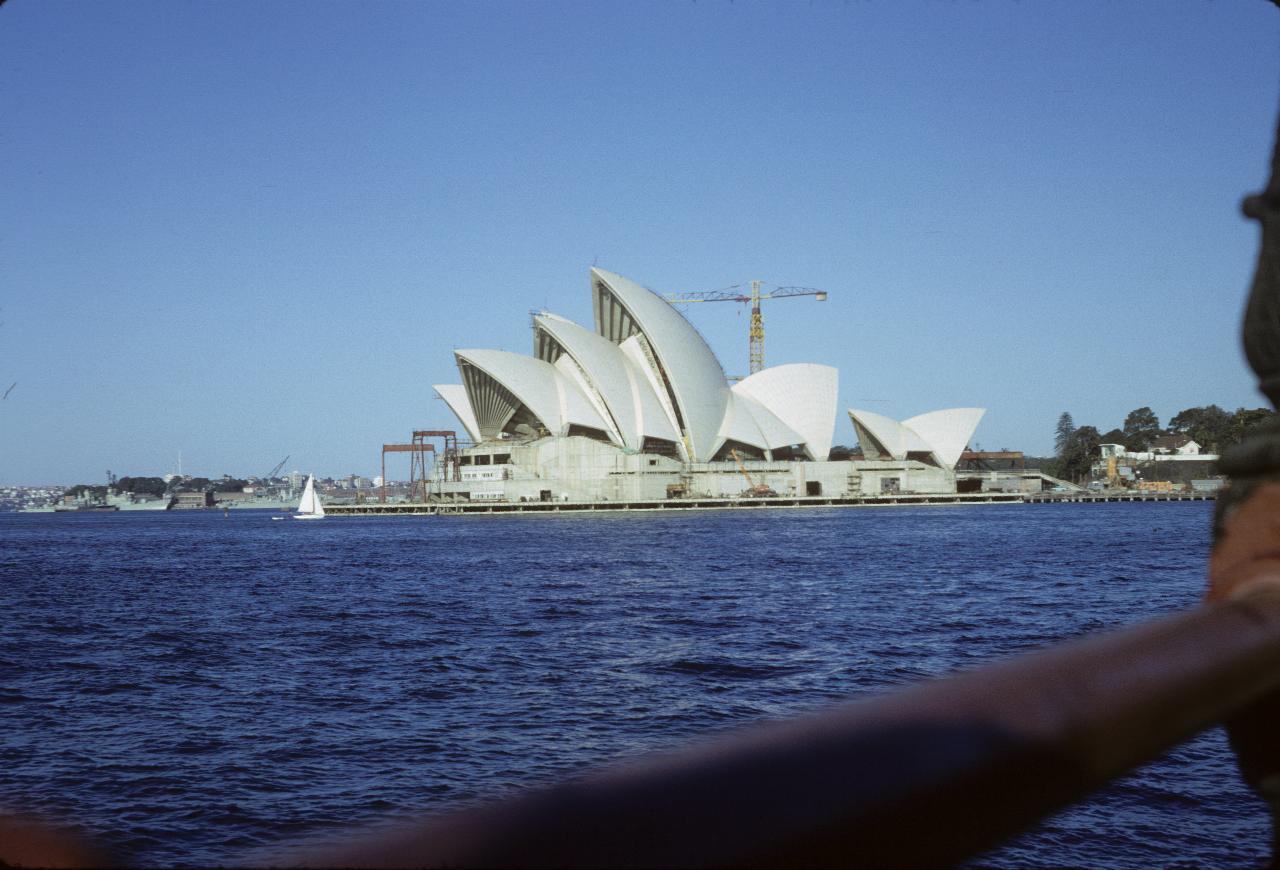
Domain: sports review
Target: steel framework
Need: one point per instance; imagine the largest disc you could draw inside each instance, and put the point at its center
(419, 471)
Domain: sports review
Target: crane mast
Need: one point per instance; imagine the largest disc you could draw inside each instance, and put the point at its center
(755, 332)
(755, 336)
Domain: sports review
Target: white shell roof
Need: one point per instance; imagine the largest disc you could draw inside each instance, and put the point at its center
(570, 371)
(752, 423)
(552, 397)
(645, 371)
(455, 396)
(653, 419)
(942, 433)
(895, 439)
(946, 432)
(697, 380)
(606, 367)
(803, 397)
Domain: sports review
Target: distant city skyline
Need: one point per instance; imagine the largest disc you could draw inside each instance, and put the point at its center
(244, 231)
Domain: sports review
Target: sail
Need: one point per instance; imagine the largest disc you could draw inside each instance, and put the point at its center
(309, 503)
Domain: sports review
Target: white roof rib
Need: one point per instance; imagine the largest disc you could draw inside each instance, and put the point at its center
(749, 422)
(455, 396)
(697, 382)
(775, 431)
(571, 372)
(576, 408)
(946, 432)
(739, 424)
(803, 397)
(604, 366)
(530, 382)
(889, 438)
(652, 419)
(546, 392)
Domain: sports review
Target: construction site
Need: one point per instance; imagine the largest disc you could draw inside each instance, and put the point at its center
(639, 411)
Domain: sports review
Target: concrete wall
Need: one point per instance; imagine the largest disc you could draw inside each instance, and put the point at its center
(583, 469)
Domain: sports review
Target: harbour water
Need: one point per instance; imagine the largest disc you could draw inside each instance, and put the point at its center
(191, 688)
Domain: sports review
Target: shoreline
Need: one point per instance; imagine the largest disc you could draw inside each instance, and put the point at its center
(898, 500)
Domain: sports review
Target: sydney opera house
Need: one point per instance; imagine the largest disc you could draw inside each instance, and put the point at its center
(640, 408)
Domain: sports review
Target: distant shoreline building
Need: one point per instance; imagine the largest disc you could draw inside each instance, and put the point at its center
(1165, 448)
(640, 408)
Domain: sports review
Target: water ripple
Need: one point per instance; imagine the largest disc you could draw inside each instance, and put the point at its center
(190, 687)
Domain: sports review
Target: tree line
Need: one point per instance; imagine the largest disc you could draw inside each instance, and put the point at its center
(1215, 430)
(155, 486)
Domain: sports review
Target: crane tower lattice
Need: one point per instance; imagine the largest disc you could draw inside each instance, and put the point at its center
(755, 334)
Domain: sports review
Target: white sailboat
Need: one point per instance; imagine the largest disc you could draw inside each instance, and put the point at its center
(309, 508)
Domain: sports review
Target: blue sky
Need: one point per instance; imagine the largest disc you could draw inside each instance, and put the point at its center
(244, 230)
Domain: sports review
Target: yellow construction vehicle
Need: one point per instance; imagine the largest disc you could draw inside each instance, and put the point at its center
(753, 490)
(1113, 474)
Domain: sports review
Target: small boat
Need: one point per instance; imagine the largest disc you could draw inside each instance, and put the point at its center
(309, 508)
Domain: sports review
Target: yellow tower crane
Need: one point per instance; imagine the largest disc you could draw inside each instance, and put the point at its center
(755, 335)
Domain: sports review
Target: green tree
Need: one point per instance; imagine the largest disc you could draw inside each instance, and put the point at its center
(1210, 426)
(1132, 443)
(1245, 420)
(141, 485)
(1079, 453)
(1066, 426)
(1141, 427)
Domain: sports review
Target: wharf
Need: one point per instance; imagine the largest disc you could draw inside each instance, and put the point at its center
(691, 504)
(1073, 497)
(673, 504)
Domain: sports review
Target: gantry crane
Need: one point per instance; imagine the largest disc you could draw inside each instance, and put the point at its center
(755, 339)
(419, 485)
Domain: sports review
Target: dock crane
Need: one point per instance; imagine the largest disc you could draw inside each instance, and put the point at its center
(755, 336)
(279, 465)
